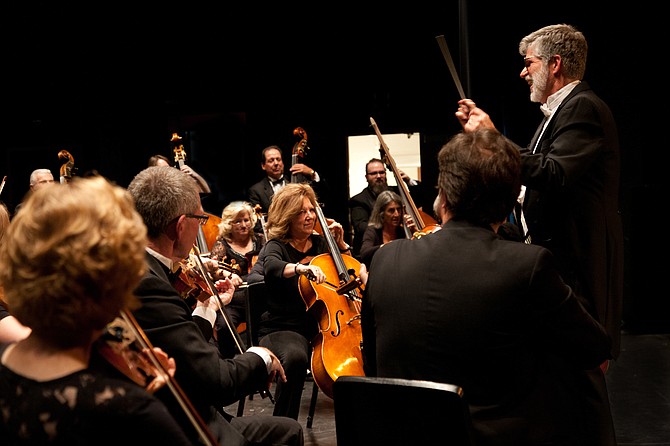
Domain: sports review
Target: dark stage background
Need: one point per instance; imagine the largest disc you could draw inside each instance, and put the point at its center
(111, 81)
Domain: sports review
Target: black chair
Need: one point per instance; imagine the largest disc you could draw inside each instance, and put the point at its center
(256, 305)
(385, 411)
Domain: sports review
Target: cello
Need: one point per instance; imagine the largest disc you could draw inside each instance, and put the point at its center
(425, 224)
(337, 349)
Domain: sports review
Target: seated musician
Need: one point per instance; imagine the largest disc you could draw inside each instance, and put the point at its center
(237, 246)
(287, 328)
(384, 226)
(361, 204)
(84, 254)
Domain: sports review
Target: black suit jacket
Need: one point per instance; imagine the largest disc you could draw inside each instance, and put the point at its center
(262, 193)
(210, 381)
(360, 208)
(572, 202)
(464, 306)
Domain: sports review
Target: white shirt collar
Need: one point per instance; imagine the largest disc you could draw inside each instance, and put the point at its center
(555, 99)
(164, 260)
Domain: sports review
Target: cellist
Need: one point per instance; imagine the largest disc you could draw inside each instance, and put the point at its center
(287, 328)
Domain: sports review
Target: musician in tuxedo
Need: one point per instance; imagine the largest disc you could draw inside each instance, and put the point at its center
(361, 204)
(571, 173)
(169, 203)
(465, 306)
(272, 163)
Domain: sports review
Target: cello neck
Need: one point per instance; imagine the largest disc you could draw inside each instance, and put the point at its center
(342, 272)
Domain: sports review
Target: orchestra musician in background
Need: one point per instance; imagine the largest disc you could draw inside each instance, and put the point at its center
(38, 179)
(361, 204)
(385, 224)
(272, 163)
(211, 381)
(238, 246)
(161, 160)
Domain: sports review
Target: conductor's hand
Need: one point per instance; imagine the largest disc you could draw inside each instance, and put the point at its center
(472, 117)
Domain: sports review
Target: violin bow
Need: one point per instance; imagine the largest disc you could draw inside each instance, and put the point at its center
(214, 292)
(192, 414)
(2, 186)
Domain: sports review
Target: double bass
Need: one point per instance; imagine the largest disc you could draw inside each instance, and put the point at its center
(67, 168)
(299, 151)
(336, 303)
(425, 224)
(208, 233)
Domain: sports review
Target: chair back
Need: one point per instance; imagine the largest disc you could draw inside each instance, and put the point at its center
(257, 302)
(391, 411)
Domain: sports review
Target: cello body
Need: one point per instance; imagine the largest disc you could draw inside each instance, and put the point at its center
(337, 349)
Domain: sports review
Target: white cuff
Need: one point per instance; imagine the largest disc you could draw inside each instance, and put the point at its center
(205, 313)
(263, 354)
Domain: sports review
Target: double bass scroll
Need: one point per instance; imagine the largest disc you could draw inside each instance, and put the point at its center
(300, 149)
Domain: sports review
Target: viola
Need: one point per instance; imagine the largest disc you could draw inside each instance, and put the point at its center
(425, 224)
(126, 347)
(336, 303)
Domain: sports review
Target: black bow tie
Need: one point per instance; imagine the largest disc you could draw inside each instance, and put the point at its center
(276, 182)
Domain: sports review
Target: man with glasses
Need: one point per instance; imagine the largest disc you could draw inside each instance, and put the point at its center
(361, 204)
(571, 174)
(169, 203)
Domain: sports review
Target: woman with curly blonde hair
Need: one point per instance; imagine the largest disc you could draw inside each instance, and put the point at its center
(69, 264)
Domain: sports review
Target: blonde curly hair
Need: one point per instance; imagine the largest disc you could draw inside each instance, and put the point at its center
(72, 258)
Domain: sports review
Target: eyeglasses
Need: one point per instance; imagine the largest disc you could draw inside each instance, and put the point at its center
(202, 219)
(379, 172)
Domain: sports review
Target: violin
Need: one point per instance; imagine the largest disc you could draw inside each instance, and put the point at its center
(425, 224)
(126, 347)
(209, 289)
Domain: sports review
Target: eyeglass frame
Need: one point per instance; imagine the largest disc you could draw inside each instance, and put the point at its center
(202, 219)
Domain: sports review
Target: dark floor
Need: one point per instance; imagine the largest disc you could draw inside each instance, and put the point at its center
(639, 386)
